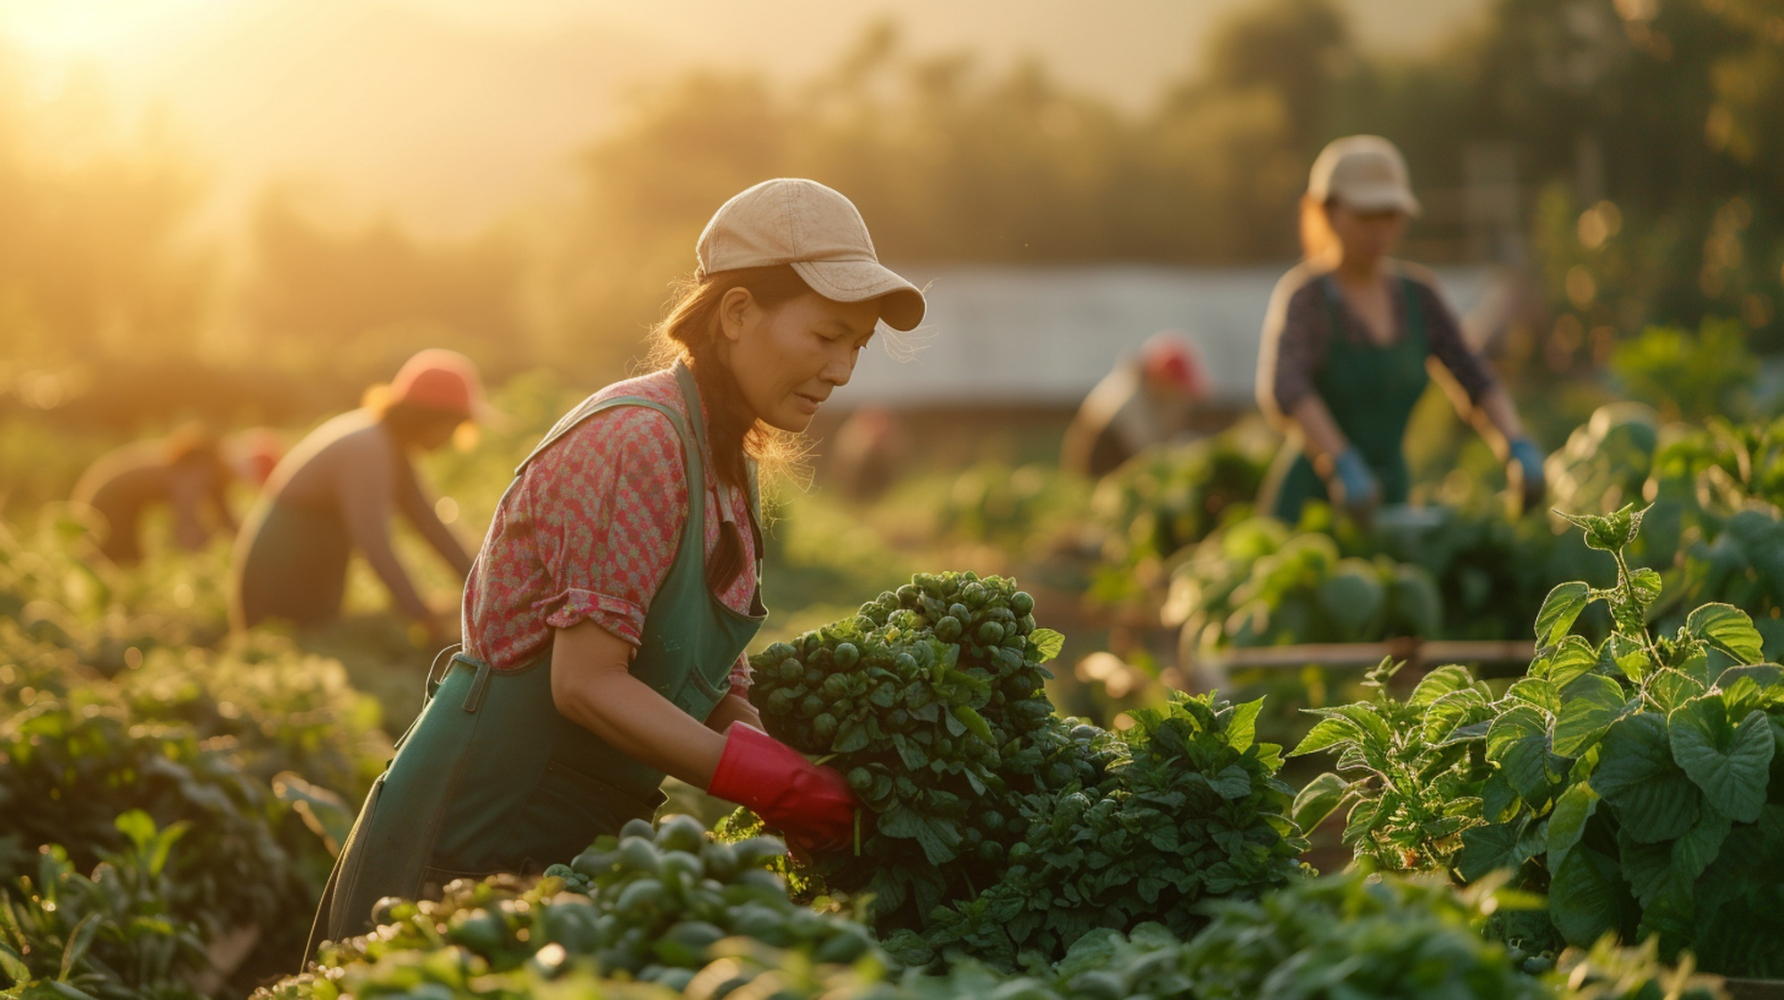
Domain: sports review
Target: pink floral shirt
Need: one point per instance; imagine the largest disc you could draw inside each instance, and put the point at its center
(590, 531)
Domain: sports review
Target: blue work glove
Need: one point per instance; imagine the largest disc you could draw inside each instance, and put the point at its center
(1357, 488)
(1524, 471)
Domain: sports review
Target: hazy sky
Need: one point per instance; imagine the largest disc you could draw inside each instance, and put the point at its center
(454, 111)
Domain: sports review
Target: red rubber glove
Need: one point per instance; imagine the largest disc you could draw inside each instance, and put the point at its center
(812, 805)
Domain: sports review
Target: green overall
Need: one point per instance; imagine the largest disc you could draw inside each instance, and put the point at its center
(1371, 390)
(491, 778)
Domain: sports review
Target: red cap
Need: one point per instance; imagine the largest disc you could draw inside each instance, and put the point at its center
(1170, 357)
(441, 380)
(254, 453)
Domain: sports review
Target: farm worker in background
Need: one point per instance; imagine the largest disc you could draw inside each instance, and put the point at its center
(1148, 399)
(1349, 340)
(186, 471)
(610, 606)
(334, 493)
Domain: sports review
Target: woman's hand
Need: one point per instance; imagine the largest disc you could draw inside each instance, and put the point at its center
(1523, 469)
(733, 708)
(812, 805)
(1358, 491)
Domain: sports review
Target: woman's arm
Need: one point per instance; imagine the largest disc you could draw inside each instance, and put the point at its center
(1496, 418)
(592, 686)
(733, 708)
(1480, 399)
(415, 506)
(1320, 436)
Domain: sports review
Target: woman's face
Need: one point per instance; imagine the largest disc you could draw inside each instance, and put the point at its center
(1366, 236)
(789, 358)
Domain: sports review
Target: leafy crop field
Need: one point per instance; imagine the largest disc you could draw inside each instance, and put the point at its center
(1607, 823)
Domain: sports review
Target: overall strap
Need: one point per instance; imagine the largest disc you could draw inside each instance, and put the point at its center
(1332, 297)
(1415, 313)
(691, 393)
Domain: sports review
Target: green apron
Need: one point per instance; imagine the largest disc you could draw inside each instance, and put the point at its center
(291, 564)
(1371, 390)
(491, 778)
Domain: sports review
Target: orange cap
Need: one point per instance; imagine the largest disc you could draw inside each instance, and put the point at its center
(441, 380)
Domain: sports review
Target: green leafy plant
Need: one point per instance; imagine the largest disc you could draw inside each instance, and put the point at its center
(1257, 583)
(110, 936)
(1192, 810)
(995, 828)
(1689, 375)
(1168, 498)
(1638, 782)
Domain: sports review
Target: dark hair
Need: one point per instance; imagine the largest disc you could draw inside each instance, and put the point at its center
(690, 333)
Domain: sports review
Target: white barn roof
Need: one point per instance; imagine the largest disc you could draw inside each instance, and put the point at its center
(1046, 335)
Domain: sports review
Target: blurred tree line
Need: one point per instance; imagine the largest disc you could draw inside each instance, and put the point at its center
(1633, 144)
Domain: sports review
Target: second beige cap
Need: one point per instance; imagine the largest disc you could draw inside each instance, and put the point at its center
(1365, 173)
(820, 233)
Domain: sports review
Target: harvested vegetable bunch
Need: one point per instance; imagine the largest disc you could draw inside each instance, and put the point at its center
(647, 905)
(930, 700)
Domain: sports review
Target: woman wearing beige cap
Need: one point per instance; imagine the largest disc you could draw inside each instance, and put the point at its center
(1349, 340)
(607, 614)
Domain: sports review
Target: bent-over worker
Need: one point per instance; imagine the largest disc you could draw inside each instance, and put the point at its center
(1147, 400)
(186, 471)
(335, 492)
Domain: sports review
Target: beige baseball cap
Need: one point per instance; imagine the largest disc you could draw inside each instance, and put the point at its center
(795, 221)
(1365, 173)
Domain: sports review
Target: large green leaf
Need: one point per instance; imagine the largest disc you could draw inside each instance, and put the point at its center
(1626, 655)
(1560, 610)
(1567, 824)
(1487, 849)
(1587, 897)
(1318, 800)
(1729, 629)
(1327, 733)
(1044, 644)
(1537, 693)
(1731, 763)
(1672, 688)
(1439, 682)
(1693, 852)
(1588, 707)
(1518, 742)
(1654, 799)
(1453, 710)
(1646, 867)
(1573, 657)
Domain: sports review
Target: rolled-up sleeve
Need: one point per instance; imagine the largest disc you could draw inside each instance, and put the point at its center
(1293, 346)
(1447, 345)
(599, 506)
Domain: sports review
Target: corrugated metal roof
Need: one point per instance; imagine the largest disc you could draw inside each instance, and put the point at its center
(1002, 335)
